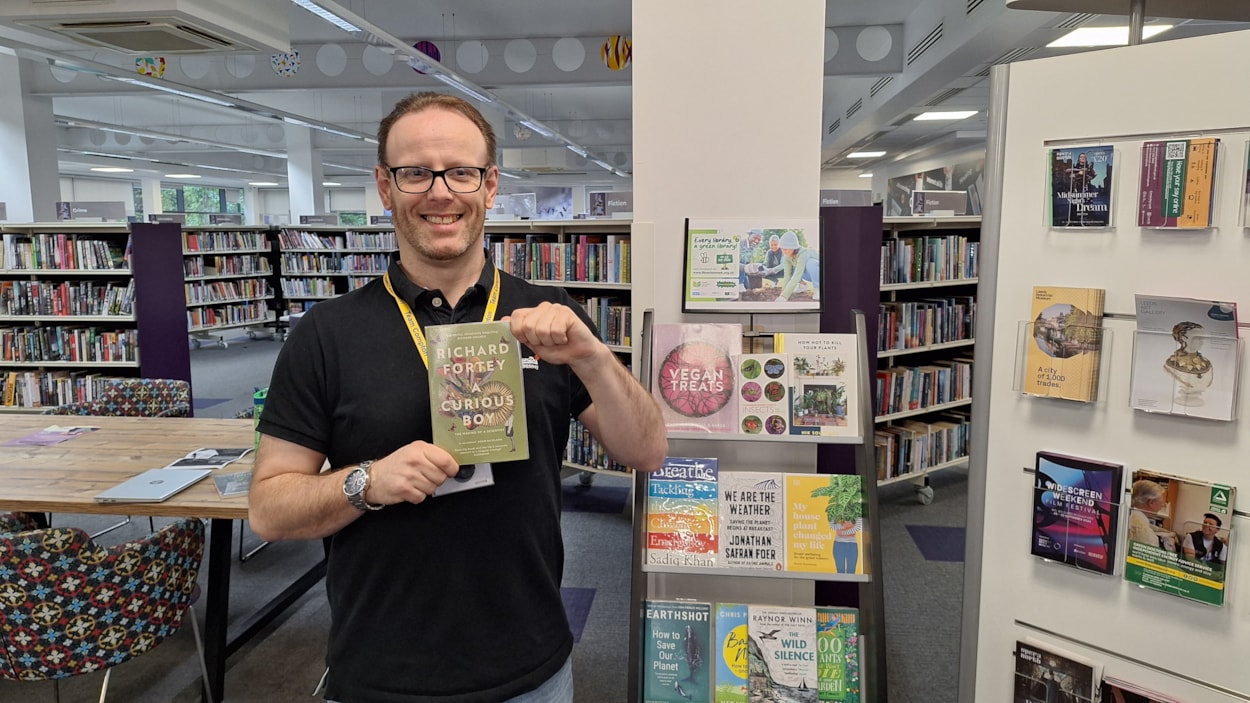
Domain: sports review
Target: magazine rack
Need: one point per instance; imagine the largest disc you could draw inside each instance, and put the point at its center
(1099, 338)
(868, 585)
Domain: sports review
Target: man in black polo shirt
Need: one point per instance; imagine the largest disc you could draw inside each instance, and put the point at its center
(456, 598)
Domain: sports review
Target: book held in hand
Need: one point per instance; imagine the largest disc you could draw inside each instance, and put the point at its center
(1064, 346)
(1186, 357)
(477, 395)
(1076, 511)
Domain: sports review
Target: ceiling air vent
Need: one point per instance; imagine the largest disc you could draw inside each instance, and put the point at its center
(148, 37)
(973, 5)
(879, 86)
(1075, 20)
(943, 97)
(854, 108)
(924, 45)
(833, 127)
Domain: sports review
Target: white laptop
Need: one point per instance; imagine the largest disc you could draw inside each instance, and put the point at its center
(152, 486)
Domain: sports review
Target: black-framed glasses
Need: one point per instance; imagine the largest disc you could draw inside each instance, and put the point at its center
(418, 179)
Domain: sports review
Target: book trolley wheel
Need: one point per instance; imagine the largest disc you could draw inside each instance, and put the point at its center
(585, 478)
(924, 494)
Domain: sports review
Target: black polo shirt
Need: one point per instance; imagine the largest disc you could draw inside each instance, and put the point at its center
(456, 599)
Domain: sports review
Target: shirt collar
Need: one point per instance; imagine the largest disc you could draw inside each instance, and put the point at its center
(419, 297)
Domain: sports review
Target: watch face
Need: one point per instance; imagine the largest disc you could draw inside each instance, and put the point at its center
(355, 482)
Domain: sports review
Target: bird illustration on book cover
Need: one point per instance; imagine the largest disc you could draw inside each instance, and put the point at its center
(477, 399)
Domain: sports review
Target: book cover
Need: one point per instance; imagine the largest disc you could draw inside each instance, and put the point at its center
(694, 378)
(731, 664)
(763, 390)
(682, 513)
(1076, 511)
(1046, 673)
(837, 654)
(824, 374)
(1186, 357)
(1178, 535)
(477, 396)
(1065, 345)
(1177, 185)
(781, 651)
(1080, 186)
(752, 522)
(1115, 690)
(675, 637)
(824, 519)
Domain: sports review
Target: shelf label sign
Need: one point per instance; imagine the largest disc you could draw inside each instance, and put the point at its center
(91, 210)
(225, 218)
(176, 218)
(4, 211)
(327, 219)
(381, 220)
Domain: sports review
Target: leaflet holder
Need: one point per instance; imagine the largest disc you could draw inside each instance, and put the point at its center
(1046, 688)
(1201, 379)
(1068, 354)
(1075, 527)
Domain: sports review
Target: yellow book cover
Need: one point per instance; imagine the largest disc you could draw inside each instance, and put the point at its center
(1064, 344)
(1199, 183)
(824, 521)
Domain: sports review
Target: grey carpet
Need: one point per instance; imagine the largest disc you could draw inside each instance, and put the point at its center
(923, 597)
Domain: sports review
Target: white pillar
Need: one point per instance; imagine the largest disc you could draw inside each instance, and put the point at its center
(745, 143)
(152, 204)
(373, 202)
(30, 186)
(251, 206)
(304, 173)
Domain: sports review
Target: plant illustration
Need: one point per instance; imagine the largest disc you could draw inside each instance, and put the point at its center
(846, 502)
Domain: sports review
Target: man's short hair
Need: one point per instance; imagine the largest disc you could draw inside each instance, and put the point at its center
(419, 102)
(1213, 516)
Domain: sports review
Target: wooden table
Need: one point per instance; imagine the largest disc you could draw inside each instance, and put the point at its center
(65, 477)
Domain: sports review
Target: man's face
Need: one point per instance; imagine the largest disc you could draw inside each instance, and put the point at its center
(753, 241)
(1209, 528)
(438, 225)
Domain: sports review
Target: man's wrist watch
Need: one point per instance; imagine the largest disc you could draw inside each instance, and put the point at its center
(355, 485)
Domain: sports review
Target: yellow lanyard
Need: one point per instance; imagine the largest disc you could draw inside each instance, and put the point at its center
(414, 327)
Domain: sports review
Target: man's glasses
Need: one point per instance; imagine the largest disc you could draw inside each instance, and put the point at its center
(417, 180)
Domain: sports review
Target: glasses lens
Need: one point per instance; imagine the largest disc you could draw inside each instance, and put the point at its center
(461, 179)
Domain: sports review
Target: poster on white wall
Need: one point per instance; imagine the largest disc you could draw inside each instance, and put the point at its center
(749, 265)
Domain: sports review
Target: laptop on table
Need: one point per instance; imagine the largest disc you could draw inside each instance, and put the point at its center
(152, 486)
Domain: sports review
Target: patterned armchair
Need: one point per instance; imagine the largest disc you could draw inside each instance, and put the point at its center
(69, 606)
(134, 397)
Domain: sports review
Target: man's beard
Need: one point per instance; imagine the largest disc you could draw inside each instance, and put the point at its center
(409, 227)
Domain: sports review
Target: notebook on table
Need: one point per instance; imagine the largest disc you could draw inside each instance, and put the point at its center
(152, 486)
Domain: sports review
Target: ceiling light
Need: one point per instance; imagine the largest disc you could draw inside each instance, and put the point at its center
(1104, 36)
(865, 154)
(181, 175)
(262, 183)
(948, 115)
(865, 175)
(327, 15)
(331, 183)
(112, 169)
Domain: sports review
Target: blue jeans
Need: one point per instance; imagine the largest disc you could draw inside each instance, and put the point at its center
(557, 689)
(845, 556)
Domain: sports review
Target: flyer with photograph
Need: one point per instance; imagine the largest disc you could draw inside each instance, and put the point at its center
(751, 266)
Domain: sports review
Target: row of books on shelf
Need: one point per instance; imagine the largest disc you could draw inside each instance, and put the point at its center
(769, 521)
(308, 287)
(901, 389)
(584, 450)
(227, 291)
(749, 653)
(1044, 672)
(256, 312)
(1179, 527)
(57, 343)
(198, 266)
(61, 252)
(38, 388)
(951, 257)
(303, 239)
(1176, 184)
(613, 317)
(93, 297)
(704, 383)
(1186, 354)
(588, 258)
(193, 242)
(912, 446)
(914, 324)
(294, 264)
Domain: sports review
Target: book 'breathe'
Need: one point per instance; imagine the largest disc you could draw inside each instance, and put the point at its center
(477, 397)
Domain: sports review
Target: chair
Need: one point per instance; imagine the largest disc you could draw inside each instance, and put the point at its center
(134, 397)
(69, 606)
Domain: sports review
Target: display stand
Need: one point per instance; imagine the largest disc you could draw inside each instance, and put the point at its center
(1187, 650)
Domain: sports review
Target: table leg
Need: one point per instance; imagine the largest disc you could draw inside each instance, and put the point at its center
(216, 611)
